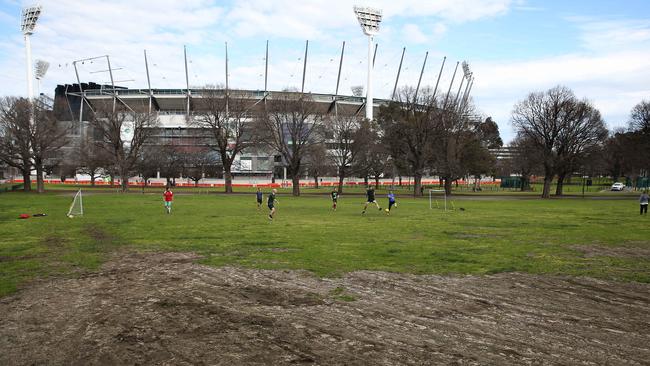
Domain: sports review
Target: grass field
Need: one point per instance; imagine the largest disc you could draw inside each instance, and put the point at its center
(598, 238)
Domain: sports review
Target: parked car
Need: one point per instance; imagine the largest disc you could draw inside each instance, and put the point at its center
(618, 186)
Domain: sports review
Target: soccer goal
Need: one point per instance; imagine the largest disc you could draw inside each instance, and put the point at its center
(77, 206)
(438, 199)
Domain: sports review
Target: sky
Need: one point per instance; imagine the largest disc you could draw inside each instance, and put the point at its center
(598, 48)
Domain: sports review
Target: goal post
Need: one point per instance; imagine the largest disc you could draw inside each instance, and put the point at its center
(433, 200)
(77, 205)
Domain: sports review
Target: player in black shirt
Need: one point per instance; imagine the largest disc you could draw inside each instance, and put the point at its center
(335, 197)
(370, 198)
(271, 203)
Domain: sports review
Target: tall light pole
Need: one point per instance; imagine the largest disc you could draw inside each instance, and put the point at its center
(41, 68)
(29, 18)
(369, 20)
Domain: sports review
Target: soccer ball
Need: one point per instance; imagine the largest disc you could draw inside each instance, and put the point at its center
(387, 210)
(70, 216)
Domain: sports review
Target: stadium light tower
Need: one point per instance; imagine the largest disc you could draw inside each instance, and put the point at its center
(369, 20)
(29, 18)
(41, 68)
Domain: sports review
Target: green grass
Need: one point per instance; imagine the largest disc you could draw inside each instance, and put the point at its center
(490, 236)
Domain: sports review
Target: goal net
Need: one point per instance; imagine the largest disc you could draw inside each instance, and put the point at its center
(77, 206)
(438, 199)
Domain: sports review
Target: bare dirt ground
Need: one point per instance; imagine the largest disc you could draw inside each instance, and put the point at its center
(164, 309)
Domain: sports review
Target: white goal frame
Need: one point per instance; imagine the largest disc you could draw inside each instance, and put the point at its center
(81, 204)
(444, 194)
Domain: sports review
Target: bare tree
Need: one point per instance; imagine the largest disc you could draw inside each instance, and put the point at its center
(347, 137)
(226, 120)
(15, 139)
(640, 117)
(90, 158)
(48, 136)
(583, 130)
(546, 119)
(374, 160)
(457, 142)
(527, 159)
(198, 164)
(408, 128)
(150, 162)
(124, 133)
(290, 125)
(317, 162)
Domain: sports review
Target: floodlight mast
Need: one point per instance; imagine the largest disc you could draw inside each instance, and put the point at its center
(29, 18)
(369, 20)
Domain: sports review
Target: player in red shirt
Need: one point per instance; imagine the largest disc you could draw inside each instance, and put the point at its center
(168, 197)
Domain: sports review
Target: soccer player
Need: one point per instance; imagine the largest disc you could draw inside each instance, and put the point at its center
(271, 203)
(259, 198)
(391, 201)
(335, 198)
(168, 197)
(643, 202)
(370, 198)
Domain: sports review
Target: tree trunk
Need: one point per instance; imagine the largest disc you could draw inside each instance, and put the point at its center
(417, 184)
(316, 181)
(525, 182)
(295, 180)
(448, 183)
(27, 180)
(227, 176)
(560, 184)
(341, 179)
(365, 180)
(548, 179)
(40, 185)
(92, 179)
(376, 182)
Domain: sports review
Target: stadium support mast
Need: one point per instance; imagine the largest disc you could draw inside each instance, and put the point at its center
(146, 66)
(338, 80)
(30, 16)
(417, 89)
(266, 69)
(304, 67)
(442, 67)
(369, 20)
(399, 70)
(450, 85)
(187, 83)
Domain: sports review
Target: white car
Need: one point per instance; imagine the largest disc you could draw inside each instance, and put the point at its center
(618, 187)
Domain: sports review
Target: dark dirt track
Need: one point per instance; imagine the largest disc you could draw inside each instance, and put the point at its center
(164, 309)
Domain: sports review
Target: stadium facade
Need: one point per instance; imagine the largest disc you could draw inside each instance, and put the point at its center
(175, 109)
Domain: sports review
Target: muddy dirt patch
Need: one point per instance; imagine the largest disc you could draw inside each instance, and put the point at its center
(165, 309)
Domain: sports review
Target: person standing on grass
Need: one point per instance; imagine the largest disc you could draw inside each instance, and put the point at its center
(370, 198)
(643, 202)
(260, 198)
(271, 203)
(168, 197)
(391, 201)
(335, 198)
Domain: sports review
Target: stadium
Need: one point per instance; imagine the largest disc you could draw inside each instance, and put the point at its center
(200, 224)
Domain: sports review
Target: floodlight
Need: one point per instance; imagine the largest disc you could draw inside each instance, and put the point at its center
(466, 70)
(41, 68)
(369, 20)
(29, 18)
